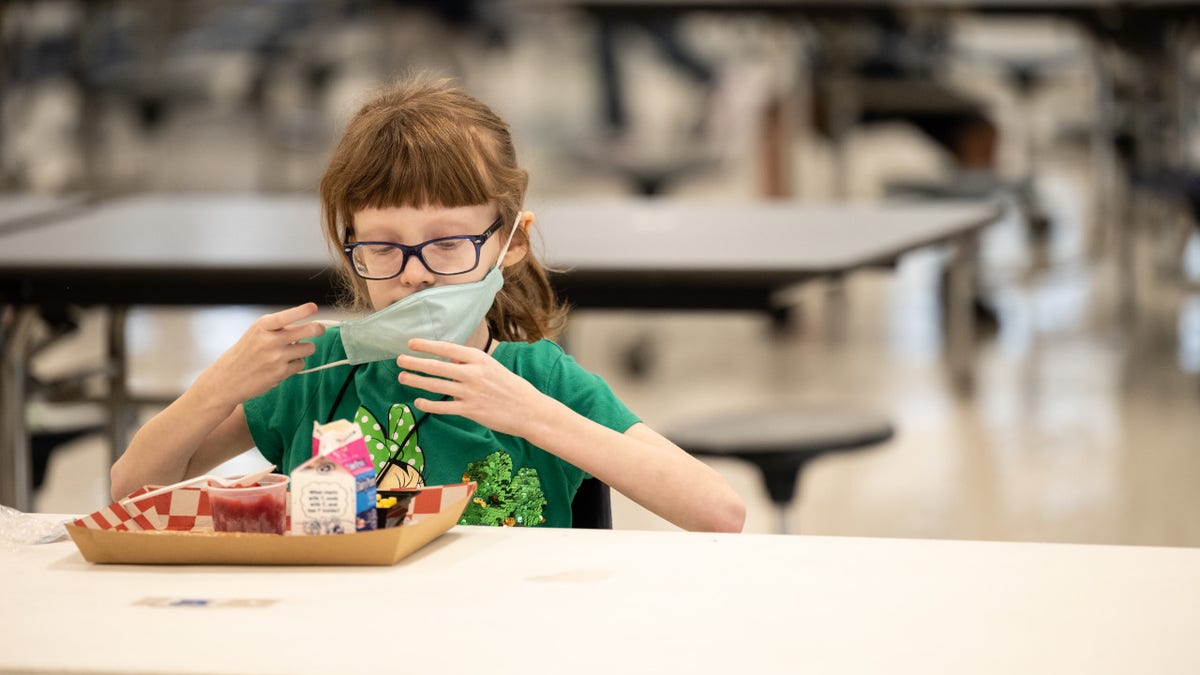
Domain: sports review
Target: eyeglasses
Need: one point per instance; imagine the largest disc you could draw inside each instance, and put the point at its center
(445, 256)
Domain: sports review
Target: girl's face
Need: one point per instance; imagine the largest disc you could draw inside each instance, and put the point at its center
(414, 226)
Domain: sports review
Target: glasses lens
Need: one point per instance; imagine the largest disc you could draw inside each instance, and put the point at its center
(450, 256)
(453, 255)
(377, 262)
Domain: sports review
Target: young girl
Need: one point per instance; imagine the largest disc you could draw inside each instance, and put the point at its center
(422, 201)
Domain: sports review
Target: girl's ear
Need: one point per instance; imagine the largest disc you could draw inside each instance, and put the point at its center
(519, 247)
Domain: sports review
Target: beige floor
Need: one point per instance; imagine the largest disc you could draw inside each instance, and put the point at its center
(1083, 427)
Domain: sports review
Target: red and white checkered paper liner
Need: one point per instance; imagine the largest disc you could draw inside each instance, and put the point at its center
(433, 500)
(186, 509)
(182, 509)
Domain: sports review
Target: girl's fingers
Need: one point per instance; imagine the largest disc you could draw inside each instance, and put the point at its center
(428, 366)
(312, 329)
(299, 350)
(283, 318)
(303, 331)
(435, 407)
(449, 350)
(294, 366)
(430, 384)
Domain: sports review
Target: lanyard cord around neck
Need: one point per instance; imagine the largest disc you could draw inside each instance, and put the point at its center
(391, 460)
(337, 400)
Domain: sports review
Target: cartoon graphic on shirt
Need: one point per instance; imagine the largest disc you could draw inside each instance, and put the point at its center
(408, 469)
(502, 498)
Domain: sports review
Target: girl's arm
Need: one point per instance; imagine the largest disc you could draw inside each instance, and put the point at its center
(186, 439)
(207, 425)
(640, 463)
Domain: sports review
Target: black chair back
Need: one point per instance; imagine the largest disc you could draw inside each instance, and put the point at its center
(592, 506)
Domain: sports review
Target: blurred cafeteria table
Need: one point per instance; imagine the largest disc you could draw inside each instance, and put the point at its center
(252, 249)
(503, 600)
(21, 210)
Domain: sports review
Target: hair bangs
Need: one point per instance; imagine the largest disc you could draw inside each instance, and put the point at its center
(410, 164)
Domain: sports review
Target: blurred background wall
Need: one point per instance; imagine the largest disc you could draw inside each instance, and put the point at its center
(111, 96)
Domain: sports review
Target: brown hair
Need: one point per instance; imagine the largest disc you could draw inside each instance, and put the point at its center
(424, 143)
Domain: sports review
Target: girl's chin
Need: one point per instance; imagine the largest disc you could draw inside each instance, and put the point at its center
(384, 303)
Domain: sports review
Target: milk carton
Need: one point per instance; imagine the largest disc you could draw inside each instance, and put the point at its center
(334, 492)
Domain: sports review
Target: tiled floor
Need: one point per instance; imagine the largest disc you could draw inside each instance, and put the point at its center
(1083, 427)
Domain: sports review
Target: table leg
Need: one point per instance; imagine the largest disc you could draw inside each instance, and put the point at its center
(16, 479)
(1107, 187)
(843, 108)
(785, 520)
(118, 392)
(776, 144)
(960, 319)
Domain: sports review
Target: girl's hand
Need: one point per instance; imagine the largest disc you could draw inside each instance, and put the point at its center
(480, 388)
(268, 352)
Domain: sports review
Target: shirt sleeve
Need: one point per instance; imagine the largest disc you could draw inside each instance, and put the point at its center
(586, 393)
(262, 418)
(553, 372)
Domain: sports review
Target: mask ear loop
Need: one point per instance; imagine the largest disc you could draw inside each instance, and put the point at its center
(504, 251)
(335, 364)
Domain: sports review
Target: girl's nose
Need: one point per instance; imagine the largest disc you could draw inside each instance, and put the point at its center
(414, 273)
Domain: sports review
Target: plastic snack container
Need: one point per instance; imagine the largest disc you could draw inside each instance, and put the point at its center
(260, 508)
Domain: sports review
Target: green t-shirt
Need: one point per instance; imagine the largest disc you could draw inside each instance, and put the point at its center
(519, 483)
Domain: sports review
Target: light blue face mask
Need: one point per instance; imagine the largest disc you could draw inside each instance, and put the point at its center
(446, 313)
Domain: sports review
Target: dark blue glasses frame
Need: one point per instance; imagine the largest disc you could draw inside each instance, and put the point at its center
(478, 240)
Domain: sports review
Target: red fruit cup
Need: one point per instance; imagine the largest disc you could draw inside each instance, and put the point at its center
(261, 507)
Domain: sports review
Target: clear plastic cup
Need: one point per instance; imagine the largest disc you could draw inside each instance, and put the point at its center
(261, 507)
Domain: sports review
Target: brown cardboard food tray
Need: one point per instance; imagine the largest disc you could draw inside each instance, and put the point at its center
(166, 547)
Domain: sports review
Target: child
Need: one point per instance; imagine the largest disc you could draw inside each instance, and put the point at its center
(422, 197)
